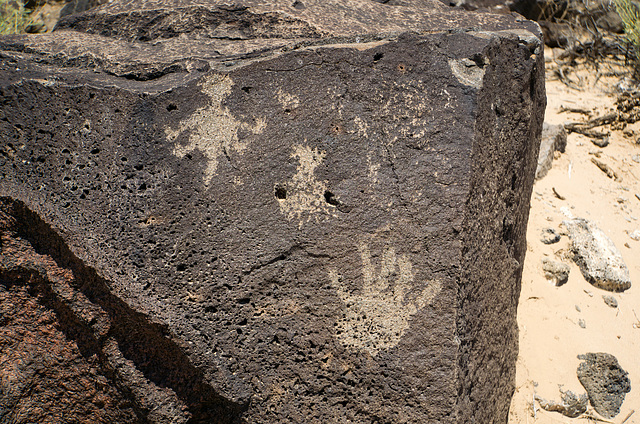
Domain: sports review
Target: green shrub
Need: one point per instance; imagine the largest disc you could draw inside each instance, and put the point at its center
(13, 17)
(630, 15)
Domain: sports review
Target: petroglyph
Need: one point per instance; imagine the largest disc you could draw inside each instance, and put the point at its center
(378, 315)
(213, 130)
(304, 197)
(467, 72)
(288, 101)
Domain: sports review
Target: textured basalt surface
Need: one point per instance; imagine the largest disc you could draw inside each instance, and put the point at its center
(266, 212)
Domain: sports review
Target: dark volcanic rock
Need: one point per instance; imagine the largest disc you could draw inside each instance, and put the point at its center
(73, 352)
(310, 211)
(605, 381)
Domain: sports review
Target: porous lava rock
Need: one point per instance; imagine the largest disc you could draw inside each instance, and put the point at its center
(599, 259)
(266, 212)
(605, 381)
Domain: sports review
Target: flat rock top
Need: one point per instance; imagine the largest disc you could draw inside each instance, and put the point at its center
(143, 40)
(248, 19)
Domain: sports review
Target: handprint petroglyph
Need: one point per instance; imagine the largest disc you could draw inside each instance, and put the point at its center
(377, 315)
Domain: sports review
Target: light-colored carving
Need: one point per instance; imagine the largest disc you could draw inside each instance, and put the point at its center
(467, 72)
(378, 315)
(288, 101)
(214, 131)
(305, 194)
(374, 167)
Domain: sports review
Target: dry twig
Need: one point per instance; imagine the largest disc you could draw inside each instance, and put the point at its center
(592, 417)
(595, 122)
(606, 169)
(580, 110)
(628, 416)
(558, 195)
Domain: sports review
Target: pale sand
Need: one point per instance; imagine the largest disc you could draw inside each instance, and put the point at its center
(548, 316)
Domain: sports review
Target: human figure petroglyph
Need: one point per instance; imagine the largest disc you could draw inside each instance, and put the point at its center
(213, 129)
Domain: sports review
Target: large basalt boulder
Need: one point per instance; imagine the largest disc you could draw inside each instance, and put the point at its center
(266, 212)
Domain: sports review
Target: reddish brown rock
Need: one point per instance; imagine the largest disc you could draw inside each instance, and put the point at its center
(289, 212)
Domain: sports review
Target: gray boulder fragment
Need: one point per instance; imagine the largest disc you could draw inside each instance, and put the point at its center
(610, 301)
(605, 381)
(599, 260)
(554, 138)
(571, 405)
(556, 273)
(549, 236)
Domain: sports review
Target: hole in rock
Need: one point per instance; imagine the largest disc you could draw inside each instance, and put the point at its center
(171, 107)
(281, 193)
(377, 57)
(330, 198)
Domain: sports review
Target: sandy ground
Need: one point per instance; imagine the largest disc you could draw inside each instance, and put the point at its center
(548, 316)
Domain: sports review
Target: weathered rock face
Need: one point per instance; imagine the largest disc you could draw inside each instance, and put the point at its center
(605, 381)
(598, 258)
(273, 212)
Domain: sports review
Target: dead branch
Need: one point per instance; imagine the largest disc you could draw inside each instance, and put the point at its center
(580, 110)
(558, 195)
(592, 123)
(606, 169)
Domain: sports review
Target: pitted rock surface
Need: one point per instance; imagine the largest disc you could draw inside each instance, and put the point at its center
(310, 211)
(599, 259)
(605, 381)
